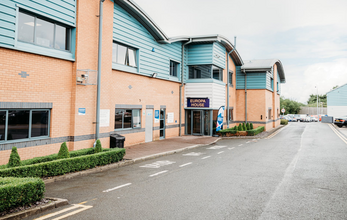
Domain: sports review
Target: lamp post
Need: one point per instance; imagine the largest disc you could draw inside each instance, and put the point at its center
(317, 100)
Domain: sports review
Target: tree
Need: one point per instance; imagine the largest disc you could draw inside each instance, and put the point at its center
(291, 106)
(335, 87)
(14, 160)
(63, 152)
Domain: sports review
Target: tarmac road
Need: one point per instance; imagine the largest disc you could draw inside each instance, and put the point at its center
(299, 173)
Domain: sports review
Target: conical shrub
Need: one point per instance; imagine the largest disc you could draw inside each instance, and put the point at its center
(244, 127)
(248, 127)
(63, 152)
(236, 128)
(14, 160)
(240, 127)
(251, 126)
(98, 147)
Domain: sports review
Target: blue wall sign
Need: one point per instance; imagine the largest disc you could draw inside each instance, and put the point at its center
(198, 102)
(81, 111)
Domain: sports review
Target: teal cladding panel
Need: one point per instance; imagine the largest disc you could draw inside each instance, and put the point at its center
(200, 54)
(63, 11)
(268, 80)
(279, 84)
(127, 30)
(254, 80)
(337, 97)
(219, 55)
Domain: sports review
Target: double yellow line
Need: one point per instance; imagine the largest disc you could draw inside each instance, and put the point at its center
(275, 133)
(338, 133)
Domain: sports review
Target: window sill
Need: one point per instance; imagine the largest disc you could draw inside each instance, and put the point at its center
(50, 52)
(126, 129)
(25, 140)
(124, 68)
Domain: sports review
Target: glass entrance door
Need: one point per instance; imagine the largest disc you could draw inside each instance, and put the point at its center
(162, 123)
(197, 122)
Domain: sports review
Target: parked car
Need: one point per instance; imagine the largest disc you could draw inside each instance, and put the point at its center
(302, 118)
(314, 118)
(307, 119)
(341, 121)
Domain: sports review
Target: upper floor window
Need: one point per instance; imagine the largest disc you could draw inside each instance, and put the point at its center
(231, 78)
(123, 55)
(272, 84)
(201, 71)
(173, 68)
(35, 30)
(23, 124)
(217, 73)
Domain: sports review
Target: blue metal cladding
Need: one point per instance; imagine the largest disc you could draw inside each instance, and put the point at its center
(254, 80)
(127, 30)
(278, 84)
(337, 97)
(63, 11)
(219, 55)
(268, 81)
(200, 54)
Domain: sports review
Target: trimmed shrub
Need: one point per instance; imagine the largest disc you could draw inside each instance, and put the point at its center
(284, 122)
(63, 152)
(248, 127)
(255, 131)
(236, 128)
(240, 127)
(244, 127)
(14, 160)
(16, 192)
(98, 147)
(67, 165)
(251, 126)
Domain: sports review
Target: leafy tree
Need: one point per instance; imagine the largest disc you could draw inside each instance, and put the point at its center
(14, 160)
(335, 87)
(63, 152)
(313, 99)
(291, 106)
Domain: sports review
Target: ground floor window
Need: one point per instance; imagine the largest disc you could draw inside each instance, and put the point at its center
(269, 113)
(127, 119)
(231, 114)
(19, 124)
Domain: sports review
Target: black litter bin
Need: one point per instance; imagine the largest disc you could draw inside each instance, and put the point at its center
(117, 141)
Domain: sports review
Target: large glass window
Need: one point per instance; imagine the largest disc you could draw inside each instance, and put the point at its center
(201, 71)
(2, 125)
(127, 118)
(173, 68)
(32, 29)
(15, 124)
(39, 123)
(124, 55)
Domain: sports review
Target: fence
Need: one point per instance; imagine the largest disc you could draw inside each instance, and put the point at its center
(313, 110)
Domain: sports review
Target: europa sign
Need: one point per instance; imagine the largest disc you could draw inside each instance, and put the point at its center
(198, 102)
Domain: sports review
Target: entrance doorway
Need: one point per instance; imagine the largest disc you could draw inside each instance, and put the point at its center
(162, 123)
(198, 122)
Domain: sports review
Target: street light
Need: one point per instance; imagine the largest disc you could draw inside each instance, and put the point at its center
(317, 100)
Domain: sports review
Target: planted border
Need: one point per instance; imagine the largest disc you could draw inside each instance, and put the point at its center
(16, 192)
(256, 131)
(63, 166)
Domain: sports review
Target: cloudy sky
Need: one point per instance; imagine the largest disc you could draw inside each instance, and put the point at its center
(308, 36)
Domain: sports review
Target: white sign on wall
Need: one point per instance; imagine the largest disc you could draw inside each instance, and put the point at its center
(104, 117)
(170, 117)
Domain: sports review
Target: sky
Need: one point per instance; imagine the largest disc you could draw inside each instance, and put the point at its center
(308, 36)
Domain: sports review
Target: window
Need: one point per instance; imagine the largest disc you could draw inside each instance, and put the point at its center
(231, 114)
(127, 118)
(173, 68)
(123, 55)
(35, 30)
(278, 89)
(22, 124)
(272, 84)
(217, 73)
(199, 72)
(231, 78)
(270, 114)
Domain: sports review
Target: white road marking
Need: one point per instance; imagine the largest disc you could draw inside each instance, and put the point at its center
(75, 206)
(117, 187)
(205, 157)
(220, 152)
(186, 164)
(216, 147)
(193, 154)
(156, 174)
(248, 142)
(231, 148)
(158, 164)
(240, 145)
(276, 132)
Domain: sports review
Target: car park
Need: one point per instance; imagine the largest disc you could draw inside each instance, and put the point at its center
(341, 121)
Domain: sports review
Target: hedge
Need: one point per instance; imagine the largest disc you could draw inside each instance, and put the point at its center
(63, 166)
(255, 131)
(52, 157)
(16, 192)
(284, 122)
